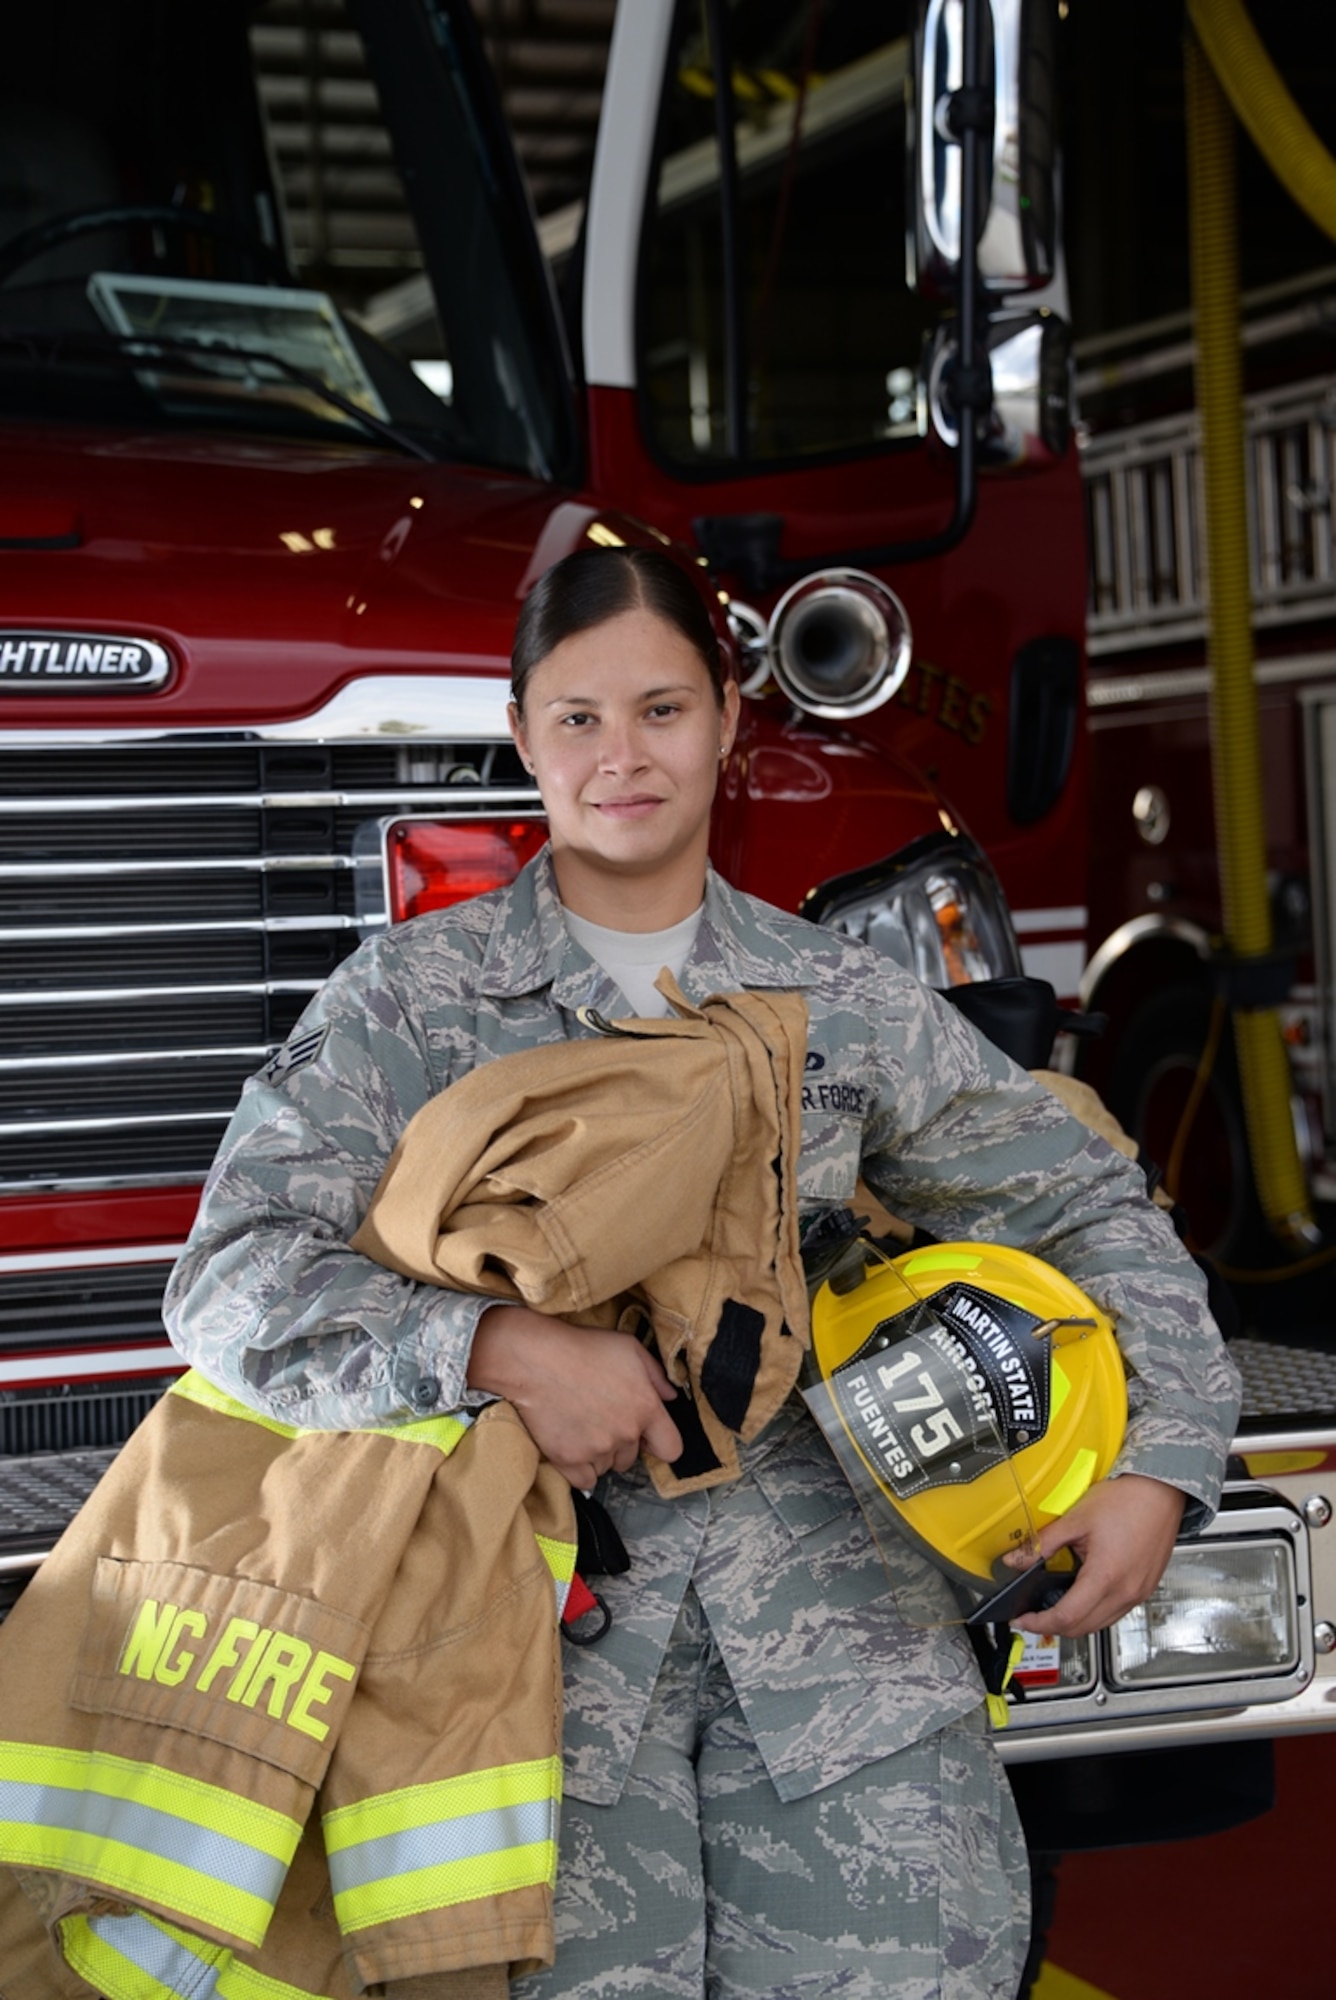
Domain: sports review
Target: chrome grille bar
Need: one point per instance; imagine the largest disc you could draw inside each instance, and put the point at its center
(50, 932)
(267, 864)
(114, 1058)
(169, 903)
(90, 995)
(450, 798)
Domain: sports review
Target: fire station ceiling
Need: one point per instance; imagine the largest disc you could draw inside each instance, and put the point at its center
(549, 57)
(340, 188)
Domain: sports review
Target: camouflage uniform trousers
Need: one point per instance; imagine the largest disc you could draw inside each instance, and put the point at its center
(907, 1879)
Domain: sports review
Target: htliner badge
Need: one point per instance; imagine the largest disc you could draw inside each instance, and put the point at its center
(113, 663)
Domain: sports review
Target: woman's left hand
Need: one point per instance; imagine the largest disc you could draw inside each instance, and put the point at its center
(1122, 1531)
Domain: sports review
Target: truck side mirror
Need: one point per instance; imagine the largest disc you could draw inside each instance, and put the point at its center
(1030, 362)
(1017, 175)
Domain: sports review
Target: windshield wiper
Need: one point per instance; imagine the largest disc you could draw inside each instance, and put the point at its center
(195, 355)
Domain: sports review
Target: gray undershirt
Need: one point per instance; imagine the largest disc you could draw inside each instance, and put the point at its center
(636, 958)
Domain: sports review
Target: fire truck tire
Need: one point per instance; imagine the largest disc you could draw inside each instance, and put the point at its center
(1150, 1083)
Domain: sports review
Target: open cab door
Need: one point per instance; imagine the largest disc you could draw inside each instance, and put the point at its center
(773, 378)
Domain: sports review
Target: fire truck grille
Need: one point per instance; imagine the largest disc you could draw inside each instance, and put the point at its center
(100, 1329)
(61, 1307)
(166, 912)
(78, 1420)
(87, 1321)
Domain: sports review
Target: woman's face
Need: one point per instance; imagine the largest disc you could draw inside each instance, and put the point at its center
(622, 729)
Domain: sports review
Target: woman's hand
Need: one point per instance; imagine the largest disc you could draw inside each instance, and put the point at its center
(589, 1399)
(1123, 1531)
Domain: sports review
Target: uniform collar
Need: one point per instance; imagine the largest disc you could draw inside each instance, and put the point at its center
(740, 943)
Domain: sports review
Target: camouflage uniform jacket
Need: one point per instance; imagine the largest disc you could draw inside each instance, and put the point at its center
(271, 1303)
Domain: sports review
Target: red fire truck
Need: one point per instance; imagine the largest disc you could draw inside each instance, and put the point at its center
(291, 417)
(290, 427)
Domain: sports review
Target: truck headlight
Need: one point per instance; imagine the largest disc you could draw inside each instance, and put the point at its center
(1229, 1628)
(936, 908)
(1220, 1609)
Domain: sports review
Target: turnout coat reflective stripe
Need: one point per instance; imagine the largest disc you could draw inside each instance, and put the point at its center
(255, 1616)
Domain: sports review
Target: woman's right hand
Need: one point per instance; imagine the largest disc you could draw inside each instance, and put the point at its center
(589, 1399)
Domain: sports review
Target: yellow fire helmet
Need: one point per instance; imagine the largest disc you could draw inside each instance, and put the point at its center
(981, 1390)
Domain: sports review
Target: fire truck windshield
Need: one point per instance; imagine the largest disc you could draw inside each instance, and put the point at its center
(260, 189)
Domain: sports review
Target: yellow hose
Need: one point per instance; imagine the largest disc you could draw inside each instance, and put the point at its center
(1235, 757)
(1265, 109)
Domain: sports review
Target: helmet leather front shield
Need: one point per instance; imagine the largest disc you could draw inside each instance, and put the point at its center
(971, 1394)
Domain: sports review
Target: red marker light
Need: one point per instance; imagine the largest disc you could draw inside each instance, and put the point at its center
(430, 864)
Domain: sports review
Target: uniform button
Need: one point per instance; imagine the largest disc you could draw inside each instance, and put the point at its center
(426, 1392)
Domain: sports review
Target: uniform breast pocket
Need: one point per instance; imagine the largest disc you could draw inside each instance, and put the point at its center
(832, 1145)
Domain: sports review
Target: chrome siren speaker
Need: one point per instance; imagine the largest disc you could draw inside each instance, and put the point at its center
(839, 643)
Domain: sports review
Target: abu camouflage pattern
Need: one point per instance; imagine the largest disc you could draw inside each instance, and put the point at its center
(907, 1877)
(270, 1302)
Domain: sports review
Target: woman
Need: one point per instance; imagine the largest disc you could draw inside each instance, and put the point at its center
(774, 1785)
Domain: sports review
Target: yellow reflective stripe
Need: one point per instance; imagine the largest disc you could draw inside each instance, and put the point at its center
(559, 1556)
(447, 1884)
(1073, 1483)
(448, 1798)
(243, 1982)
(108, 1864)
(196, 1388)
(443, 1433)
(999, 1708)
(147, 1832)
(560, 1559)
(434, 1846)
(206, 1805)
(136, 1956)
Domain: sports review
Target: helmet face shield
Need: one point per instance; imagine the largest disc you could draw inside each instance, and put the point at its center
(971, 1393)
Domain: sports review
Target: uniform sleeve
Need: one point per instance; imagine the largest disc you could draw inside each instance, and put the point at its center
(268, 1300)
(965, 1144)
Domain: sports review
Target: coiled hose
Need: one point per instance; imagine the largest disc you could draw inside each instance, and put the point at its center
(1236, 765)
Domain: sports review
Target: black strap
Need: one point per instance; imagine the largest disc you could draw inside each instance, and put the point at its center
(600, 1550)
(728, 1372)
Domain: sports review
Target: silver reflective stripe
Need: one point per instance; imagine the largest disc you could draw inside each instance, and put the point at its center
(138, 1957)
(465, 1839)
(148, 1830)
(149, 1949)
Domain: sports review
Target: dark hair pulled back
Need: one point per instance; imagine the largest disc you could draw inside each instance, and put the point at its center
(586, 589)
